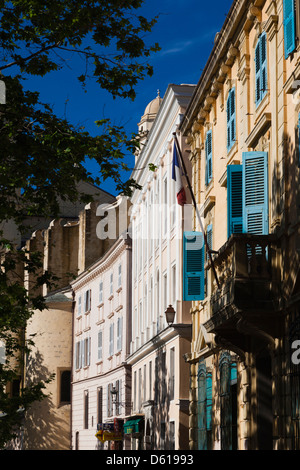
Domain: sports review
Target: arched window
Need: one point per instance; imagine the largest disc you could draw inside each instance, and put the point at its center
(228, 402)
(204, 408)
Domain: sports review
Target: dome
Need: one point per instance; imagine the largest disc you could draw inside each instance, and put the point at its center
(153, 106)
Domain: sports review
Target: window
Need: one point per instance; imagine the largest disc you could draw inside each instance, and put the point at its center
(145, 383)
(289, 24)
(234, 199)
(111, 288)
(228, 403)
(111, 339)
(78, 355)
(261, 69)
(120, 276)
(86, 352)
(65, 386)
(172, 374)
(134, 390)
(255, 193)
(193, 266)
(119, 333)
(208, 158)
(109, 400)
(101, 292)
(79, 306)
(118, 396)
(204, 408)
(165, 206)
(174, 293)
(165, 291)
(247, 195)
(140, 390)
(231, 119)
(150, 380)
(100, 345)
(99, 404)
(86, 410)
(87, 301)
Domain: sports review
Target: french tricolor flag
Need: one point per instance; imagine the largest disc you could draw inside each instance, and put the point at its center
(176, 176)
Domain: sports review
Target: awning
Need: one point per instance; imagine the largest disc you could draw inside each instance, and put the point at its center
(132, 426)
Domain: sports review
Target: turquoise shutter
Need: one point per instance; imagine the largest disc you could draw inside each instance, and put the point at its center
(264, 78)
(261, 74)
(201, 411)
(257, 73)
(209, 402)
(193, 266)
(234, 199)
(255, 193)
(231, 119)
(289, 24)
(208, 157)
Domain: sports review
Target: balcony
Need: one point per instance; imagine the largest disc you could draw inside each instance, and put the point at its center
(247, 303)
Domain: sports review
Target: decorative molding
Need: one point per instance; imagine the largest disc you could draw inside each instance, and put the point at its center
(263, 124)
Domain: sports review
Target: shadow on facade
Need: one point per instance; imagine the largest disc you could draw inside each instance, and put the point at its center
(44, 421)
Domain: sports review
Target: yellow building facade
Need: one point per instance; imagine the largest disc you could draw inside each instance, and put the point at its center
(242, 125)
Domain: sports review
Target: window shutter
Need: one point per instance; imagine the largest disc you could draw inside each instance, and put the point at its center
(119, 334)
(208, 157)
(79, 306)
(264, 79)
(208, 401)
(257, 73)
(111, 339)
(99, 345)
(209, 238)
(255, 193)
(289, 24)
(202, 409)
(261, 74)
(193, 266)
(231, 119)
(234, 199)
(101, 292)
(82, 355)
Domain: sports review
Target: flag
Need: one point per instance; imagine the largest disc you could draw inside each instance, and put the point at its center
(176, 176)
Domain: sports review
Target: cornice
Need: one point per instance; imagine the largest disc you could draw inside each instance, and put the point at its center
(103, 264)
(221, 58)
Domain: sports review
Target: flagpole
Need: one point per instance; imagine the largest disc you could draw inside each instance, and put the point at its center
(196, 209)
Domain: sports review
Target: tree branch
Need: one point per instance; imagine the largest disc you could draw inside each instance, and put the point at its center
(25, 59)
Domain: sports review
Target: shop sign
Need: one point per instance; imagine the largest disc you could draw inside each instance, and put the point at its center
(109, 432)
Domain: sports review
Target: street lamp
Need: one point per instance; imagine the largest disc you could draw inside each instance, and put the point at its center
(170, 315)
(114, 393)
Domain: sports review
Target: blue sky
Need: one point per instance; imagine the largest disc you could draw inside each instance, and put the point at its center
(185, 31)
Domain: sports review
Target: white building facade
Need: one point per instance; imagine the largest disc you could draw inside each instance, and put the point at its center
(101, 341)
(160, 384)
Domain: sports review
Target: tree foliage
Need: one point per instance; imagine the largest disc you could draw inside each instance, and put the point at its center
(43, 156)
